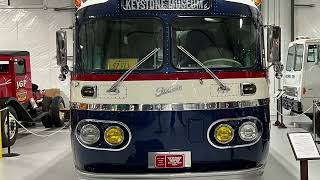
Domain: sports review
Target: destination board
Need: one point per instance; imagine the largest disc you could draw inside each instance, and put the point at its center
(166, 4)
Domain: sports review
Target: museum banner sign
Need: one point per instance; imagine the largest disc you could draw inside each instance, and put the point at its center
(166, 4)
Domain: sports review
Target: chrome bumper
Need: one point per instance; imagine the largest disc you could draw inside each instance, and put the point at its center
(248, 174)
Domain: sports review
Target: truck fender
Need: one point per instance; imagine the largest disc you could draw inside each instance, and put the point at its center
(22, 113)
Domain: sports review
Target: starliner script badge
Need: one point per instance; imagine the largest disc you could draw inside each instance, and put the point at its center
(163, 90)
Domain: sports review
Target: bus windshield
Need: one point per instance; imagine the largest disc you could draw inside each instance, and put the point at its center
(119, 44)
(295, 58)
(216, 42)
(290, 58)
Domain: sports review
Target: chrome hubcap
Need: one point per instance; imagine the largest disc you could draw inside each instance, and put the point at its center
(12, 126)
(61, 114)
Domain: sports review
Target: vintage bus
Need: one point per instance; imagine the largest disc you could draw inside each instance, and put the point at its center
(168, 89)
(301, 81)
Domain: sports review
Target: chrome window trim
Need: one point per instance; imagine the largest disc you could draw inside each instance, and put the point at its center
(233, 119)
(171, 107)
(102, 121)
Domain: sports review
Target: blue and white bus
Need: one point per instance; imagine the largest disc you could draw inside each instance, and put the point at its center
(169, 89)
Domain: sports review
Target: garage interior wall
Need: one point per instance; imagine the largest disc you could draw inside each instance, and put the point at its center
(307, 21)
(278, 12)
(30, 25)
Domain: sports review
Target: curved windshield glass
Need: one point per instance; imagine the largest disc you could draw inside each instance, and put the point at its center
(290, 58)
(216, 42)
(119, 44)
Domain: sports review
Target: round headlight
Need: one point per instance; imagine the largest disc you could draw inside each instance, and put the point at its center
(224, 134)
(114, 136)
(89, 134)
(248, 131)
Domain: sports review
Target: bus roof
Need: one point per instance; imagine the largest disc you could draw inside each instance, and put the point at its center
(232, 8)
(304, 41)
(13, 53)
(92, 2)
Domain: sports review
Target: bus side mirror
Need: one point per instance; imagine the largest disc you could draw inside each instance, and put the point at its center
(318, 59)
(61, 43)
(274, 44)
(62, 56)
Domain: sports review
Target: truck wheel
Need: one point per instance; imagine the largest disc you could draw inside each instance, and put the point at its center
(46, 120)
(13, 127)
(317, 123)
(57, 117)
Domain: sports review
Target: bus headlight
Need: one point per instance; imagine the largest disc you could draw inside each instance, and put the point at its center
(248, 131)
(114, 136)
(89, 134)
(224, 134)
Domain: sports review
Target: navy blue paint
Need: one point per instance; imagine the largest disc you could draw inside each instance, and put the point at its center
(160, 131)
(112, 8)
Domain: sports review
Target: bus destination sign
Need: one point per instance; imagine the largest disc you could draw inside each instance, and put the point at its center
(166, 4)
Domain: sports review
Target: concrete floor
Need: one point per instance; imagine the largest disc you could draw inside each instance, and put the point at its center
(51, 158)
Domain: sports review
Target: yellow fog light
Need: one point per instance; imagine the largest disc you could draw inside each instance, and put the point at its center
(224, 133)
(114, 136)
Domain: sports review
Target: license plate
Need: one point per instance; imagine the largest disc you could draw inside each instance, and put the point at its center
(121, 63)
(169, 160)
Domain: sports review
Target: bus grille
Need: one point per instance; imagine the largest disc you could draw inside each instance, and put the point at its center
(291, 91)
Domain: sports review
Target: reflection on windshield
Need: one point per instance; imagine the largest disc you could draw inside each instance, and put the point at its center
(216, 42)
(295, 58)
(119, 44)
(290, 58)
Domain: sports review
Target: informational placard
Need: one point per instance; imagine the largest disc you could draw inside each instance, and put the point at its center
(166, 4)
(278, 94)
(303, 146)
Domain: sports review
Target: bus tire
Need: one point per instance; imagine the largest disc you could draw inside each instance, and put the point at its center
(317, 123)
(46, 120)
(14, 127)
(56, 116)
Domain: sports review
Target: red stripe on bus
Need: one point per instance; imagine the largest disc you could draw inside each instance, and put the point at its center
(171, 76)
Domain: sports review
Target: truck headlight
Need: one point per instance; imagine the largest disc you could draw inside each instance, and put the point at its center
(114, 136)
(224, 134)
(89, 134)
(248, 131)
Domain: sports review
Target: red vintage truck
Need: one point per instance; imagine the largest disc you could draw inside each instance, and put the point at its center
(26, 103)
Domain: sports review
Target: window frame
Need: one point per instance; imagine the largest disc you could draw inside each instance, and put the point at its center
(302, 59)
(5, 64)
(315, 52)
(24, 67)
(293, 60)
(255, 62)
(80, 61)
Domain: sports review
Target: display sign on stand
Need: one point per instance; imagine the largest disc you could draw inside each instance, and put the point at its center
(304, 149)
(278, 96)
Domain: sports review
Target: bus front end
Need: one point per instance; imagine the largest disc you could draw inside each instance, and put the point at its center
(169, 89)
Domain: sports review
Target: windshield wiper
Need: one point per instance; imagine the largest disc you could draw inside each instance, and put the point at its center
(221, 84)
(115, 86)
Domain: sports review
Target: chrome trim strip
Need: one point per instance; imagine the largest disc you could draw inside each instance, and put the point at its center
(245, 174)
(171, 107)
(106, 121)
(233, 119)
